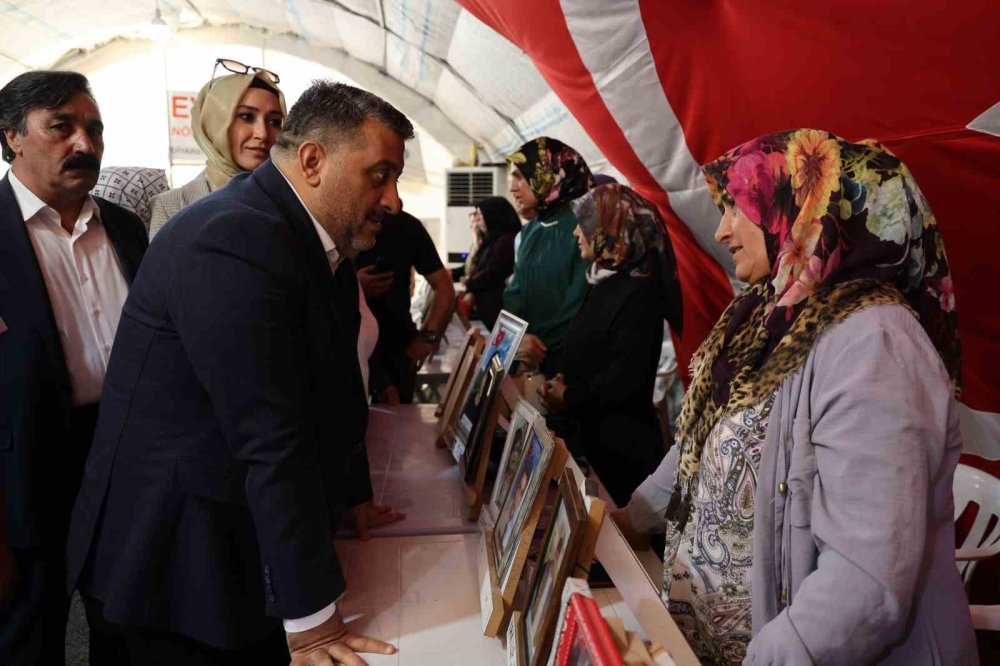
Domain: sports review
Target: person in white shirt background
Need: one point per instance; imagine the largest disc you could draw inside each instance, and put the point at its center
(66, 262)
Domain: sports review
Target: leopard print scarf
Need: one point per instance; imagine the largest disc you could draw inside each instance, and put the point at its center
(756, 376)
(845, 226)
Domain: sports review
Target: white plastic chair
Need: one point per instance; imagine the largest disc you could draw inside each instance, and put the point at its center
(974, 486)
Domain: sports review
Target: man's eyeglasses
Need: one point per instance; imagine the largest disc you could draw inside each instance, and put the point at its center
(236, 67)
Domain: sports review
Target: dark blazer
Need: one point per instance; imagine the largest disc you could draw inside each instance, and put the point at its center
(610, 360)
(231, 426)
(35, 396)
(494, 264)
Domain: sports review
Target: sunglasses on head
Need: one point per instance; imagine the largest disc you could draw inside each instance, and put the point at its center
(236, 67)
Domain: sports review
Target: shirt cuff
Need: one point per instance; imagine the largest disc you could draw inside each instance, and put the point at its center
(310, 621)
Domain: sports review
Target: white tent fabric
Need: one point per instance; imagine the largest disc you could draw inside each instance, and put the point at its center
(456, 77)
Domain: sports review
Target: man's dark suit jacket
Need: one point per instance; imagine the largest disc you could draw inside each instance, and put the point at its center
(35, 394)
(231, 426)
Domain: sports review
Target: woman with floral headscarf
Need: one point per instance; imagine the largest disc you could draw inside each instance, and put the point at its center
(807, 503)
(549, 280)
(604, 392)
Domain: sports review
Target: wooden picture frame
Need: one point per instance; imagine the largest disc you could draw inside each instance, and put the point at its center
(556, 561)
(516, 641)
(503, 342)
(473, 459)
(523, 418)
(505, 544)
(584, 637)
(486, 400)
(545, 457)
(455, 388)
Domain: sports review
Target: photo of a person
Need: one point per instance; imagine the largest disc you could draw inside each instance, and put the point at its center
(502, 344)
(552, 554)
(513, 510)
(505, 476)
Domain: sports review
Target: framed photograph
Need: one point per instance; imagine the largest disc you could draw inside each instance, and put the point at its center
(584, 637)
(457, 384)
(523, 419)
(512, 519)
(502, 344)
(482, 432)
(558, 557)
(516, 654)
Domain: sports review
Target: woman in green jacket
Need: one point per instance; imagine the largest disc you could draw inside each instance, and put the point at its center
(550, 277)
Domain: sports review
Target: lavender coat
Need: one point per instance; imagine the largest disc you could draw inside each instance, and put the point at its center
(854, 523)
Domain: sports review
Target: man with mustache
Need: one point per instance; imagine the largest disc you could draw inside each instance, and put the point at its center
(66, 261)
(231, 433)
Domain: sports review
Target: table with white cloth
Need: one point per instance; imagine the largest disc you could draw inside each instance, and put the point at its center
(415, 583)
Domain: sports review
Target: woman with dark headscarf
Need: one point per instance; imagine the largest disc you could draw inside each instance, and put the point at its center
(604, 392)
(496, 226)
(807, 504)
(236, 119)
(549, 280)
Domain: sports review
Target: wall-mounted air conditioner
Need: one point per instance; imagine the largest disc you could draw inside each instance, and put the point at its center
(464, 187)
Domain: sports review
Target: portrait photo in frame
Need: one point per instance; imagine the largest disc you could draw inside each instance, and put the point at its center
(556, 561)
(526, 482)
(542, 460)
(503, 343)
(458, 381)
(481, 435)
(523, 419)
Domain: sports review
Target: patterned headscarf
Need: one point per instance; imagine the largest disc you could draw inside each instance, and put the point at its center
(628, 234)
(213, 113)
(555, 172)
(845, 227)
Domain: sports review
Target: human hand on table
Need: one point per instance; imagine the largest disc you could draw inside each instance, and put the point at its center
(369, 516)
(330, 643)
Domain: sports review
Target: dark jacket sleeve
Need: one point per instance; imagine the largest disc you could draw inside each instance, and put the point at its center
(242, 337)
(498, 267)
(633, 331)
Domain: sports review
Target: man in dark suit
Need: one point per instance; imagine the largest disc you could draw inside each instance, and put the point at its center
(66, 261)
(232, 420)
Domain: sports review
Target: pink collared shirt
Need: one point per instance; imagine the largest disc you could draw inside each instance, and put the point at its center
(85, 284)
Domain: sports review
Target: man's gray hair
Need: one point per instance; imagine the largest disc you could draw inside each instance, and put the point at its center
(328, 113)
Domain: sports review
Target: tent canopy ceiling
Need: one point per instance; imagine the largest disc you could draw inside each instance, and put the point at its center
(438, 63)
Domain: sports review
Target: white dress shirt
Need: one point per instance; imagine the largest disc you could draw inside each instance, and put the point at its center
(367, 336)
(334, 258)
(85, 283)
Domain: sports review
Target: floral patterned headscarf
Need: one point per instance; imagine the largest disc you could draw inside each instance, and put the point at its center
(628, 234)
(832, 212)
(555, 172)
(845, 227)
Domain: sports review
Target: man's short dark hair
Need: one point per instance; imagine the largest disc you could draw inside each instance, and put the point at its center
(35, 90)
(330, 112)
